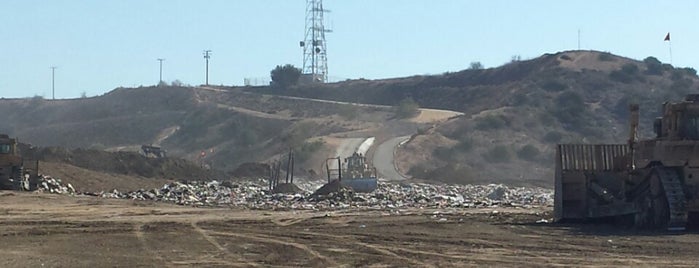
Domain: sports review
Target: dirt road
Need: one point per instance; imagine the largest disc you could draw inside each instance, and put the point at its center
(42, 230)
(384, 161)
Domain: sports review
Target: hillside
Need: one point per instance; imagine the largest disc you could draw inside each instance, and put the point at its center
(513, 116)
(516, 113)
(231, 127)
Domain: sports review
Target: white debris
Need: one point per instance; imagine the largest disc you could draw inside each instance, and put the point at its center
(255, 195)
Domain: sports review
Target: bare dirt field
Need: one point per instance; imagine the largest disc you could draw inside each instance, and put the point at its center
(44, 230)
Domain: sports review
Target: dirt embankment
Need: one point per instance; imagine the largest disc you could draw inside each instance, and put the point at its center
(93, 170)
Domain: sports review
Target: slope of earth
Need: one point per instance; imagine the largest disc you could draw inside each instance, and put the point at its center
(216, 129)
(516, 113)
(62, 231)
(94, 170)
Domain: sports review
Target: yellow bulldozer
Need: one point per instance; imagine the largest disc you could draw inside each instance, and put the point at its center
(651, 183)
(15, 173)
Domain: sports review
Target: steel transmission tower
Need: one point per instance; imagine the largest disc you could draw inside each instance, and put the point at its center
(315, 61)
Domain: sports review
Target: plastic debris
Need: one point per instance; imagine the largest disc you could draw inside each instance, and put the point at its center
(388, 195)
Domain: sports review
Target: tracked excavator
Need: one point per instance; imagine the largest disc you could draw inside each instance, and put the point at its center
(651, 183)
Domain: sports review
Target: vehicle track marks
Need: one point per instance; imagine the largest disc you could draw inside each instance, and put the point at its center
(222, 249)
(268, 239)
(138, 232)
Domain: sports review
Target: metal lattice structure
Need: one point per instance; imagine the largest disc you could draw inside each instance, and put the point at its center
(315, 60)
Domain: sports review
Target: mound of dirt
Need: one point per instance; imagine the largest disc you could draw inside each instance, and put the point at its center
(287, 188)
(331, 187)
(122, 163)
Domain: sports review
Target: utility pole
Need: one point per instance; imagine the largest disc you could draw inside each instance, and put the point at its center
(207, 56)
(53, 82)
(161, 71)
(578, 39)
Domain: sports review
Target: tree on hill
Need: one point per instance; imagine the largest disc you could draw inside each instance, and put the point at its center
(653, 65)
(285, 76)
(406, 108)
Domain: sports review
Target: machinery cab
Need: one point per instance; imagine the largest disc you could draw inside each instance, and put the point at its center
(680, 120)
(8, 150)
(357, 167)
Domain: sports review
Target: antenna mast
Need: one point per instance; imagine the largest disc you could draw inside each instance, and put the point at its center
(315, 61)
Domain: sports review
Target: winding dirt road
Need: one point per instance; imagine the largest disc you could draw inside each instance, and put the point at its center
(384, 159)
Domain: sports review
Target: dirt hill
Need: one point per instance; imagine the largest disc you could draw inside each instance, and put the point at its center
(216, 129)
(516, 113)
(513, 115)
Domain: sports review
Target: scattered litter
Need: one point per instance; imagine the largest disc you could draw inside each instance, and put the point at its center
(391, 196)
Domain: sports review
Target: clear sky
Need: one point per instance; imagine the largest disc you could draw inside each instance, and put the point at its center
(99, 45)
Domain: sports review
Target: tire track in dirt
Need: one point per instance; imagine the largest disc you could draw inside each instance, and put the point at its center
(208, 238)
(287, 222)
(267, 239)
(380, 249)
(220, 248)
(138, 232)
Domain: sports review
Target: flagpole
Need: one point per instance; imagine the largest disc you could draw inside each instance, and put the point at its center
(669, 44)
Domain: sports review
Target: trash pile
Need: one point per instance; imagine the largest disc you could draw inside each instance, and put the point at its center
(388, 195)
(54, 186)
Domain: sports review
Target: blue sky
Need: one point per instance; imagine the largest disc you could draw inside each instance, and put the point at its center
(99, 45)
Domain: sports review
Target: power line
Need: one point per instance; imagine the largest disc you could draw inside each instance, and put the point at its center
(53, 82)
(207, 56)
(161, 71)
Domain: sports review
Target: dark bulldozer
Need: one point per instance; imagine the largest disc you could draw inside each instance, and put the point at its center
(15, 173)
(651, 183)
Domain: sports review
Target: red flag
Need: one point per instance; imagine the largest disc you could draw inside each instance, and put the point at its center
(667, 37)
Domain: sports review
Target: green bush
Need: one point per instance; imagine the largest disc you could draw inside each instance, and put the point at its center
(546, 118)
(690, 71)
(553, 85)
(519, 99)
(528, 152)
(570, 100)
(630, 69)
(653, 66)
(285, 76)
(476, 65)
(621, 76)
(465, 145)
(605, 56)
(553, 137)
(406, 108)
(570, 109)
(490, 122)
(498, 154)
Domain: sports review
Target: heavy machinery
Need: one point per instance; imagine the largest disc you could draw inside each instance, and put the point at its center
(651, 183)
(15, 173)
(153, 151)
(354, 173)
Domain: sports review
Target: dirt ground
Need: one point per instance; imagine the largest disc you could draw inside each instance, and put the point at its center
(44, 230)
